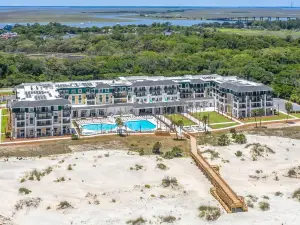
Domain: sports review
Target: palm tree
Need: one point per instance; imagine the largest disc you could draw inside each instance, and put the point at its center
(180, 124)
(174, 124)
(288, 108)
(254, 114)
(120, 124)
(260, 112)
(205, 120)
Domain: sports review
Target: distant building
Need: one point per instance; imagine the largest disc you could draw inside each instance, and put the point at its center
(8, 35)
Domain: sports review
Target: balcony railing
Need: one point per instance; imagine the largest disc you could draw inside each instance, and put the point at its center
(44, 117)
(65, 121)
(20, 117)
(43, 124)
(120, 95)
(20, 124)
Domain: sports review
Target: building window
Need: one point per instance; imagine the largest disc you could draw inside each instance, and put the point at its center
(100, 98)
(107, 98)
(79, 91)
(73, 99)
(73, 91)
(79, 99)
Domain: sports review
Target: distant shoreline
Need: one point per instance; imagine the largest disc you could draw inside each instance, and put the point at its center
(33, 6)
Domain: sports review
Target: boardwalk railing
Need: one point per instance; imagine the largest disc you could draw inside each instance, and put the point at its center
(230, 201)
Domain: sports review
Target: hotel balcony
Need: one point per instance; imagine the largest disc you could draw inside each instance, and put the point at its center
(20, 118)
(40, 124)
(66, 121)
(20, 124)
(43, 117)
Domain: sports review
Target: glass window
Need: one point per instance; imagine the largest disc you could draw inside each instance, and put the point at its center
(79, 91)
(73, 99)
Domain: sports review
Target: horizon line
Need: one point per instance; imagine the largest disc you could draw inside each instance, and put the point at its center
(286, 6)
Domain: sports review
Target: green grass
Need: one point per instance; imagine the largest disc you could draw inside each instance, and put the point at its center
(2, 137)
(4, 111)
(178, 117)
(281, 116)
(3, 123)
(252, 32)
(214, 117)
(224, 125)
(296, 114)
(6, 93)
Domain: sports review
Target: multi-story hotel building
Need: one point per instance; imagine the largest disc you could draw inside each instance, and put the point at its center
(46, 109)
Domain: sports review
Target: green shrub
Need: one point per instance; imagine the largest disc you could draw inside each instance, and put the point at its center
(238, 153)
(7, 134)
(264, 206)
(75, 137)
(61, 179)
(278, 193)
(161, 166)
(169, 181)
(141, 152)
(156, 148)
(24, 191)
(147, 186)
(240, 139)
(70, 167)
(168, 219)
(209, 213)
(64, 205)
(223, 140)
(137, 221)
(296, 194)
(213, 154)
(136, 167)
(174, 153)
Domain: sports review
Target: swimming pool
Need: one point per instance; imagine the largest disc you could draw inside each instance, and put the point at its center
(138, 125)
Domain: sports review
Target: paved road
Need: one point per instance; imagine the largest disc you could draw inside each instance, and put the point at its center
(281, 103)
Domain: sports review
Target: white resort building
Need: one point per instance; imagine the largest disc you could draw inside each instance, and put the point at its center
(47, 109)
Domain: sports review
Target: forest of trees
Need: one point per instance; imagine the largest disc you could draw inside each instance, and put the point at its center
(146, 50)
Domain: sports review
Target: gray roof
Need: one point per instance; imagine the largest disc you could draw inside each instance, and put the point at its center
(145, 83)
(83, 107)
(102, 85)
(159, 104)
(240, 87)
(197, 81)
(24, 104)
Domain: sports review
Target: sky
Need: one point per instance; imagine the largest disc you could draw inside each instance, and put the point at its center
(149, 3)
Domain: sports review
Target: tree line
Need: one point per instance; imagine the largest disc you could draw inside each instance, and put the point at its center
(271, 60)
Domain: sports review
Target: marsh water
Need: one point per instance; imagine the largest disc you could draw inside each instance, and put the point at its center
(124, 15)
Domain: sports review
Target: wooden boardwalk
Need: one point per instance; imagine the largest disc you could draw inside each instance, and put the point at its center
(230, 201)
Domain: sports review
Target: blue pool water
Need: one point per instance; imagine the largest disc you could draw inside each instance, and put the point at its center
(138, 125)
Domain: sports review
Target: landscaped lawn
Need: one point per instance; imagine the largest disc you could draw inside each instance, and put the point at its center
(214, 117)
(178, 117)
(224, 125)
(296, 114)
(3, 123)
(281, 116)
(4, 111)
